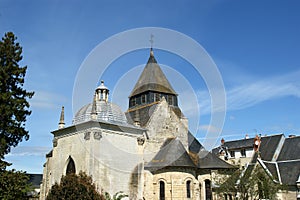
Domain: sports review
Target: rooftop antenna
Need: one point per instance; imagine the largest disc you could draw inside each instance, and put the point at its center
(151, 40)
(255, 131)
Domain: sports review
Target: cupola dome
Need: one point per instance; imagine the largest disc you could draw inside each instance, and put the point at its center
(100, 109)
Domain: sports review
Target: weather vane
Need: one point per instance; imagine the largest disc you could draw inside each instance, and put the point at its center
(151, 40)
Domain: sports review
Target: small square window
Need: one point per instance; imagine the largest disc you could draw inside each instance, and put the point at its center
(243, 152)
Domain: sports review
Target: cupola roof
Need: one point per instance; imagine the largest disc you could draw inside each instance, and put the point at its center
(100, 109)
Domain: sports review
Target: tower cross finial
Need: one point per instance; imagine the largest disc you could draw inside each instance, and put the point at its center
(151, 40)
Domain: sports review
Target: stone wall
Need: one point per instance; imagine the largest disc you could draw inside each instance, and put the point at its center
(110, 157)
(175, 185)
(163, 124)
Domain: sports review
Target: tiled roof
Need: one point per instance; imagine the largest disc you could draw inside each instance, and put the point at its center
(194, 144)
(289, 172)
(238, 144)
(152, 79)
(272, 169)
(290, 149)
(171, 154)
(268, 146)
(106, 111)
(208, 160)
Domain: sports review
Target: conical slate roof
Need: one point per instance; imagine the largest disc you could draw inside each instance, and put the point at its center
(152, 79)
(171, 154)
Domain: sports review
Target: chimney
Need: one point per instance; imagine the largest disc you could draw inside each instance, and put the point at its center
(222, 141)
(256, 143)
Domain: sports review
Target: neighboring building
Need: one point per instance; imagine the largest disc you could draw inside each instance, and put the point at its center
(147, 152)
(277, 155)
(35, 180)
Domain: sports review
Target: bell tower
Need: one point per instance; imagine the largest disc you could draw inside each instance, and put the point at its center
(151, 87)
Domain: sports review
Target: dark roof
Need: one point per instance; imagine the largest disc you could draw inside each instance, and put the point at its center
(35, 179)
(288, 161)
(208, 160)
(238, 144)
(289, 172)
(290, 149)
(194, 144)
(171, 154)
(268, 146)
(143, 112)
(272, 169)
(152, 79)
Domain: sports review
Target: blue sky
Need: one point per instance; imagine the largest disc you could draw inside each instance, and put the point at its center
(255, 45)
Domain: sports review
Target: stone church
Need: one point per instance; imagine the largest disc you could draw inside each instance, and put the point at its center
(147, 152)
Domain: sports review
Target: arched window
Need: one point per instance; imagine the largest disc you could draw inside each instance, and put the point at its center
(188, 189)
(71, 166)
(161, 190)
(208, 193)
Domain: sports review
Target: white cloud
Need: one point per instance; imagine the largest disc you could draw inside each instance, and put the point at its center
(252, 93)
(29, 151)
(46, 100)
(209, 128)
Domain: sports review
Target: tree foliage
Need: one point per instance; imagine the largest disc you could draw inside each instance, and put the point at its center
(14, 109)
(14, 185)
(118, 196)
(75, 187)
(251, 184)
(14, 106)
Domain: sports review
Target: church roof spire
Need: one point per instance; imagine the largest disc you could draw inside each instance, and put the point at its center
(61, 123)
(152, 79)
(94, 108)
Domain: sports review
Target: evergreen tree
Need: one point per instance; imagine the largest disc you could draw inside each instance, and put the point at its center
(73, 187)
(13, 112)
(14, 106)
(14, 185)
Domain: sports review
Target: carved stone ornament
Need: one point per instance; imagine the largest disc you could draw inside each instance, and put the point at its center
(54, 142)
(87, 135)
(141, 140)
(97, 135)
